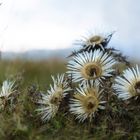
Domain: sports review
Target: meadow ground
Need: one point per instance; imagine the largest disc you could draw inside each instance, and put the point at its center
(116, 123)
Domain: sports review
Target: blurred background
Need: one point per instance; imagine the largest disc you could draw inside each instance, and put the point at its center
(40, 29)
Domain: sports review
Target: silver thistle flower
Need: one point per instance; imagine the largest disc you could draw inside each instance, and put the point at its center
(128, 85)
(95, 41)
(90, 66)
(51, 101)
(6, 92)
(86, 102)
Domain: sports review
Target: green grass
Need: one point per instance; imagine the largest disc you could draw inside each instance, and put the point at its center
(117, 122)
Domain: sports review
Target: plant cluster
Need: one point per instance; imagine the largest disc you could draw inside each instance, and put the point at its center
(100, 85)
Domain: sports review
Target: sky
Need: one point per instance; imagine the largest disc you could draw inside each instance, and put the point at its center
(53, 24)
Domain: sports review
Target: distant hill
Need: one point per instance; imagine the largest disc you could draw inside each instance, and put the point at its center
(59, 53)
(37, 54)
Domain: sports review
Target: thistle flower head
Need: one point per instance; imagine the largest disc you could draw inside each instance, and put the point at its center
(86, 102)
(90, 66)
(96, 41)
(51, 101)
(6, 92)
(7, 89)
(128, 85)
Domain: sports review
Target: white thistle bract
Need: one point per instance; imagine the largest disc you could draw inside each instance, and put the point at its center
(128, 85)
(6, 92)
(90, 66)
(7, 89)
(86, 102)
(51, 101)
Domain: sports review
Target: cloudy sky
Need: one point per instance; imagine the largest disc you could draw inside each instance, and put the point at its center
(51, 24)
